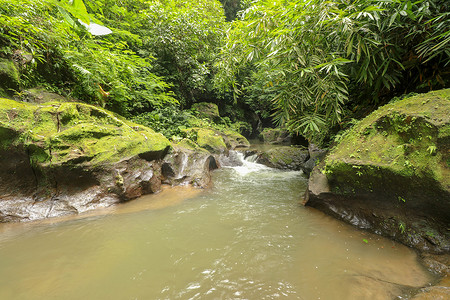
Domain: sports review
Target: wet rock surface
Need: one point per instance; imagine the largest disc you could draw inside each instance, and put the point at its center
(188, 164)
(440, 265)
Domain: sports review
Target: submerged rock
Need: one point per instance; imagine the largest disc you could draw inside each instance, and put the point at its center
(391, 173)
(438, 264)
(63, 158)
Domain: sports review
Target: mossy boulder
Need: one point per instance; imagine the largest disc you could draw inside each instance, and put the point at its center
(233, 139)
(207, 110)
(188, 163)
(391, 173)
(275, 136)
(216, 141)
(9, 75)
(65, 133)
(60, 158)
(284, 157)
(211, 140)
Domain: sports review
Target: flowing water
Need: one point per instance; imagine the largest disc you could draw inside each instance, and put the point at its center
(247, 237)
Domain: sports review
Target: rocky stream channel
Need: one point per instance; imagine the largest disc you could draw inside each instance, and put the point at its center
(389, 175)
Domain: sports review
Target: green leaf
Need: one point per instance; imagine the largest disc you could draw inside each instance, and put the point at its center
(392, 20)
(350, 46)
(75, 7)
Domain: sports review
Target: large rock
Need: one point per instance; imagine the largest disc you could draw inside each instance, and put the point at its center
(207, 110)
(188, 164)
(275, 136)
(40, 95)
(390, 173)
(316, 154)
(216, 141)
(63, 158)
(284, 157)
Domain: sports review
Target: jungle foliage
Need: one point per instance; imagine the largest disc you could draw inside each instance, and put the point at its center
(309, 64)
(52, 48)
(311, 61)
(129, 56)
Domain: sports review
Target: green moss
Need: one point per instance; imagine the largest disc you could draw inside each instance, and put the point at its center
(41, 95)
(9, 75)
(210, 140)
(271, 135)
(73, 133)
(285, 157)
(86, 131)
(234, 139)
(189, 145)
(68, 114)
(206, 110)
(408, 138)
(38, 154)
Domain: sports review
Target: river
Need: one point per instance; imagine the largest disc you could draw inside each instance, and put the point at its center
(246, 237)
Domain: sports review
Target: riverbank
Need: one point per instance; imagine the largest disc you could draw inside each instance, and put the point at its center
(59, 158)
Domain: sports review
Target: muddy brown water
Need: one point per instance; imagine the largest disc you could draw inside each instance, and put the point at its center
(247, 237)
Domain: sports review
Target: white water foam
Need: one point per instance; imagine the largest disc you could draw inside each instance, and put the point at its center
(248, 166)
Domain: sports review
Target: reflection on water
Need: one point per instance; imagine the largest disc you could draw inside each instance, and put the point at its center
(245, 238)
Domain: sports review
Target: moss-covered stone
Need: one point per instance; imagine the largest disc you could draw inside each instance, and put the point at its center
(189, 145)
(207, 110)
(9, 75)
(210, 140)
(284, 157)
(234, 139)
(63, 158)
(74, 132)
(216, 141)
(409, 137)
(390, 172)
(275, 136)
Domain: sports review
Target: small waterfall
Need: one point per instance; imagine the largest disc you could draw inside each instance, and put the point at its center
(248, 165)
(183, 164)
(252, 158)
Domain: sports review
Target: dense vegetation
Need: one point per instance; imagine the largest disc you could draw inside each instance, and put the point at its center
(314, 62)
(312, 65)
